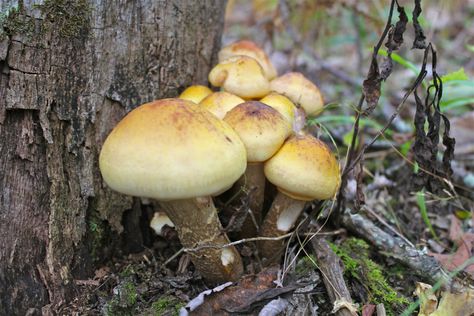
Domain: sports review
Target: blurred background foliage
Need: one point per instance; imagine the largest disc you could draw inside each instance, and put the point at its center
(331, 42)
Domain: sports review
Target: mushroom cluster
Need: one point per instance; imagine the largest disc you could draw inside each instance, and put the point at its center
(183, 152)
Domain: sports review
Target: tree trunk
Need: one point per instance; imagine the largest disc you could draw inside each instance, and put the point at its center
(69, 71)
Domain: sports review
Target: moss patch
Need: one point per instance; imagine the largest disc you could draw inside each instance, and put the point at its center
(98, 235)
(124, 300)
(354, 253)
(70, 18)
(13, 20)
(305, 265)
(166, 305)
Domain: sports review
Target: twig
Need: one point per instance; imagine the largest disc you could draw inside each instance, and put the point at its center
(330, 266)
(241, 241)
(383, 222)
(425, 266)
(349, 165)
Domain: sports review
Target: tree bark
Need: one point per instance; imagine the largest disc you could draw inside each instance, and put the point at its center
(69, 71)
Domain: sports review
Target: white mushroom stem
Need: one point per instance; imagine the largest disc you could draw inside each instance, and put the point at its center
(279, 220)
(199, 228)
(253, 182)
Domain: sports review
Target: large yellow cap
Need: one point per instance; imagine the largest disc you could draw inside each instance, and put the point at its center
(282, 104)
(219, 103)
(242, 76)
(195, 93)
(300, 90)
(249, 48)
(171, 149)
(304, 168)
(261, 128)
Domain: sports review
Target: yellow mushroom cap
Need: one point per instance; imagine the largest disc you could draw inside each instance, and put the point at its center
(300, 90)
(261, 128)
(219, 103)
(171, 149)
(304, 168)
(242, 76)
(282, 104)
(250, 49)
(195, 93)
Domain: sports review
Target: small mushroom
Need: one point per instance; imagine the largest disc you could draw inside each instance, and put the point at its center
(300, 90)
(304, 169)
(262, 130)
(180, 154)
(195, 93)
(159, 221)
(282, 104)
(219, 103)
(250, 49)
(242, 76)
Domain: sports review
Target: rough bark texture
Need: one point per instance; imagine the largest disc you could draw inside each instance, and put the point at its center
(69, 70)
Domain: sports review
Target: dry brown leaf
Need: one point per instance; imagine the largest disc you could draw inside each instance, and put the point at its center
(464, 242)
(251, 289)
(459, 304)
(368, 309)
(428, 300)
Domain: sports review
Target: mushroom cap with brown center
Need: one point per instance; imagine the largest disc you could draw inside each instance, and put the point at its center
(300, 90)
(171, 149)
(195, 93)
(249, 48)
(304, 168)
(242, 76)
(219, 103)
(261, 128)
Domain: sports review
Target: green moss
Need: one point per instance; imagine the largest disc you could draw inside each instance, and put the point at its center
(98, 233)
(127, 272)
(13, 20)
(354, 253)
(70, 18)
(130, 294)
(124, 300)
(166, 305)
(305, 265)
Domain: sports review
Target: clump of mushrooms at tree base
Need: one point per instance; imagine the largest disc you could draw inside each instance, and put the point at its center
(184, 152)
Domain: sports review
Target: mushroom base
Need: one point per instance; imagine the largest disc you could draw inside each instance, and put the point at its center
(279, 220)
(200, 232)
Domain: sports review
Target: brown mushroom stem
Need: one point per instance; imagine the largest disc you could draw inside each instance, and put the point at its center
(279, 220)
(199, 228)
(253, 182)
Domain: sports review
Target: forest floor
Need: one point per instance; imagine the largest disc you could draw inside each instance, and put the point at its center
(413, 214)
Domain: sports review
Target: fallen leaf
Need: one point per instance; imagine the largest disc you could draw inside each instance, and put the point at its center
(428, 300)
(243, 297)
(368, 310)
(459, 304)
(465, 243)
